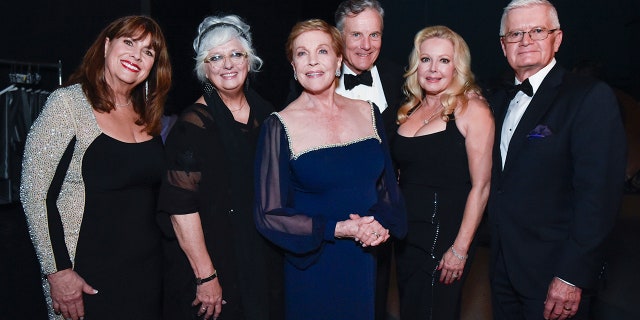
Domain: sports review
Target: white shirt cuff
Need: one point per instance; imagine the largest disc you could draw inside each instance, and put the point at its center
(567, 282)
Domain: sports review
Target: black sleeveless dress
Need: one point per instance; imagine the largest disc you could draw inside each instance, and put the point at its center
(435, 182)
(119, 249)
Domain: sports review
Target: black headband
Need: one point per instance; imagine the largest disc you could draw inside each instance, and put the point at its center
(221, 24)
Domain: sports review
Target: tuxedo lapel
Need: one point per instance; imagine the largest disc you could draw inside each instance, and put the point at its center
(501, 104)
(542, 101)
(392, 80)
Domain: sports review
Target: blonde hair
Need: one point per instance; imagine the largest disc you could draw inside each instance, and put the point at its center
(463, 81)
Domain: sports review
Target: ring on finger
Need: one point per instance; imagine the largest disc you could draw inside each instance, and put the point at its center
(566, 309)
(375, 234)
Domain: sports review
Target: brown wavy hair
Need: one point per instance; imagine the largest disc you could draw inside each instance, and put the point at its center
(90, 73)
(463, 82)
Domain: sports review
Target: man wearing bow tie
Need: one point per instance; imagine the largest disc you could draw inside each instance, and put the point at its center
(558, 174)
(364, 76)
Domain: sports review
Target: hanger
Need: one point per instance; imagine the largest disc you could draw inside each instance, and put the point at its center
(12, 87)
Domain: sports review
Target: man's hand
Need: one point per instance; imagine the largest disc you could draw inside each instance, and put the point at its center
(562, 301)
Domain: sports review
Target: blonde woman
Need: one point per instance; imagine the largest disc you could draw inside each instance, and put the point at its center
(443, 155)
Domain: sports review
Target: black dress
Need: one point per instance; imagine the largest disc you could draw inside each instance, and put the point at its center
(435, 181)
(215, 154)
(119, 249)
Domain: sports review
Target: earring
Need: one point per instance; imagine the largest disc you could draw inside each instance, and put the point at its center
(146, 90)
(338, 73)
(295, 76)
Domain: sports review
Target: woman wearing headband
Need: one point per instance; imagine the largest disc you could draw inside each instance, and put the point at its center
(217, 264)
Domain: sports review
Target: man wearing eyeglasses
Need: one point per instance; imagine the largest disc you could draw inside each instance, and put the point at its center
(559, 163)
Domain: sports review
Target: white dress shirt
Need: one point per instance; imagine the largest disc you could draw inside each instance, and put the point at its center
(517, 108)
(375, 93)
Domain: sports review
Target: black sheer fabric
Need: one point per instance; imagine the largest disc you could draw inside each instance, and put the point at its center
(234, 145)
(210, 171)
(299, 234)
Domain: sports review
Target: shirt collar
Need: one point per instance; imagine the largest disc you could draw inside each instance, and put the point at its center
(346, 70)
(538, 77)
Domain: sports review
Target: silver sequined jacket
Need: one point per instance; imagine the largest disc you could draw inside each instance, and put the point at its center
(66, 113)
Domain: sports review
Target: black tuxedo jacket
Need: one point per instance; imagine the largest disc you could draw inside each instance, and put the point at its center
(553, 205)
(391, 76)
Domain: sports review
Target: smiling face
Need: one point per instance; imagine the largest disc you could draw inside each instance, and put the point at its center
(230, 74)
(362, 36)
(315, 61)
(128, 61)
(436, 68)
(527, 56)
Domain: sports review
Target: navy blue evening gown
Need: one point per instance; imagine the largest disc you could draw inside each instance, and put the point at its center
(299, 200)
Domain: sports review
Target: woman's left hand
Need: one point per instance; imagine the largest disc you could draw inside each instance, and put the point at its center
(370, 234)
(451, 267)
(209, 299)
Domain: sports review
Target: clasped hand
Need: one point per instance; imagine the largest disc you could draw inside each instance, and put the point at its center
(365, 230)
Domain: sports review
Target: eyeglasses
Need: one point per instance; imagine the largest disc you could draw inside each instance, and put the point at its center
(237, 58)
(536, 34)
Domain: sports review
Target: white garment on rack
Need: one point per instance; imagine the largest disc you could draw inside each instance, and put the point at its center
(9, 88)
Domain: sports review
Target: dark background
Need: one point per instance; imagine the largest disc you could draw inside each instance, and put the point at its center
(605, 31)
(38, 31)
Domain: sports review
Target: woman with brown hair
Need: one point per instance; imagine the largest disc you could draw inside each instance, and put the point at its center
(93, 161)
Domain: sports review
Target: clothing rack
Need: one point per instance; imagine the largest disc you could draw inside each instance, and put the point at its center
(57, 66)
(20, 104)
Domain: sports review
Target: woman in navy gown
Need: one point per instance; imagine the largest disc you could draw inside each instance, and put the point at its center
(326, 190)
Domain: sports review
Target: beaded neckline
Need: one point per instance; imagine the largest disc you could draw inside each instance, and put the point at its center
(294, 156)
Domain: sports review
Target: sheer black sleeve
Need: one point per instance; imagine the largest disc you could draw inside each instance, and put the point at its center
(390, 209)
(300, 235)
(185, 161)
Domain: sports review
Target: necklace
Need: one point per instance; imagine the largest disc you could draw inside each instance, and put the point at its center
(433, 114)
(241, 106)
(122, 105)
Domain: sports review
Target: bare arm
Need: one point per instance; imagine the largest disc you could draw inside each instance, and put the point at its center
(477, 126)
(188, 229)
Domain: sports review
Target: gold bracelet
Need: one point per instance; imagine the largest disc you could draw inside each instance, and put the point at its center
(457, 255)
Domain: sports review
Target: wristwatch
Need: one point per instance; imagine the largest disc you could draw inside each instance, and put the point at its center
(200, 281)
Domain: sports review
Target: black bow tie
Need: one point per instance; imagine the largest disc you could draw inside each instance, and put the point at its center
(525, 87)
(351, 81)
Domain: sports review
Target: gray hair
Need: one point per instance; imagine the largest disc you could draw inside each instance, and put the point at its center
(553, 14)
(354, 7)
(214, 31)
